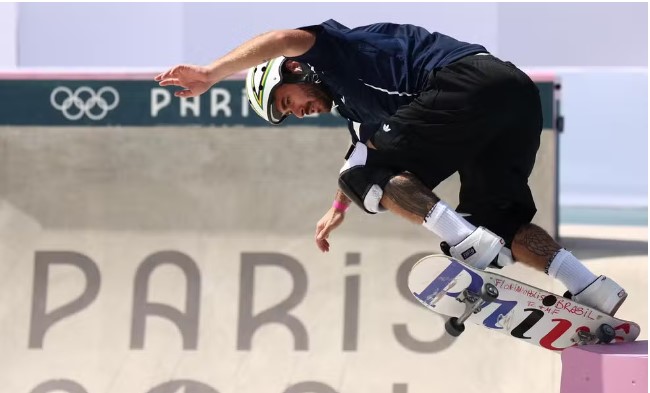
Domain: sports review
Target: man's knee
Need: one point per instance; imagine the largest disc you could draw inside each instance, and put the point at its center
(362, 183)
(401, 180)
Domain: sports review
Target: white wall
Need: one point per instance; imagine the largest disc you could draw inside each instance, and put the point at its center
(143, 34)
(604, 149)
(100, 34)
(8, 35)
(159, 34)
(574, 34)
(207, 35)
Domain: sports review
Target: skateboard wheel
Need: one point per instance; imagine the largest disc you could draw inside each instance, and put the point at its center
(489, 292)
(453, 327)
(605, 333)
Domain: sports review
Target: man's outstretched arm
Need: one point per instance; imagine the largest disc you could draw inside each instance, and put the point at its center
(196, 80)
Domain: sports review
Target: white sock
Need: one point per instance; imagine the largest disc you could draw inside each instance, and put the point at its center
(571, 272)
(447, 224)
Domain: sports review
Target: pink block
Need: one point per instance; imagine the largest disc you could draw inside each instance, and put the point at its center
(613, 368)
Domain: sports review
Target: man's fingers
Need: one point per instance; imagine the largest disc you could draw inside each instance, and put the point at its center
(184, 93)
(161, 76)
(170, 82)
(323, 245)
(172, 72)
(319, 227)
(323, 234)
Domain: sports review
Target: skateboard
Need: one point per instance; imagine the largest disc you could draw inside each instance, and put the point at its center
(451, 288)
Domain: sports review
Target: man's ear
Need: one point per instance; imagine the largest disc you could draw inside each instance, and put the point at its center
(293, 66)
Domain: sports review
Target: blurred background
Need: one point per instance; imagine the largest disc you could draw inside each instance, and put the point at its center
(168, 245)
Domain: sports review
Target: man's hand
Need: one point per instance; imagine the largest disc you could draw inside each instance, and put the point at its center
(330, 221)
(195, 80)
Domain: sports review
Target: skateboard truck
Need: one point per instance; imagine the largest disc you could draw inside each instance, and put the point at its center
(474, 302)
(604, 335)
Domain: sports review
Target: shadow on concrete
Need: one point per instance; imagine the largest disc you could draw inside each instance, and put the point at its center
(586, 248)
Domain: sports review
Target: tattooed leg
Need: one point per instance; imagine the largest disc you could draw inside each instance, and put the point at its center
(406, 196)
(534, 247)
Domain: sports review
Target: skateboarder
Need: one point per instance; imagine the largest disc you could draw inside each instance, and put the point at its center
(420, 106)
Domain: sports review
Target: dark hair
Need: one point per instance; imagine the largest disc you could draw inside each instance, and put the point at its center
(307, 75)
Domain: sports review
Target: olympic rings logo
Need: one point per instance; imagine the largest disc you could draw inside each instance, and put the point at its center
(84, 101)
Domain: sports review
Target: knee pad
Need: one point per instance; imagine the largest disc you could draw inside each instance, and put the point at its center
(364, 184)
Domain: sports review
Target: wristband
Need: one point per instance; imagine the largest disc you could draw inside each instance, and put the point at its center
(340, 206)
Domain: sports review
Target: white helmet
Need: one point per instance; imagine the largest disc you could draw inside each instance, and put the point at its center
(260, 83)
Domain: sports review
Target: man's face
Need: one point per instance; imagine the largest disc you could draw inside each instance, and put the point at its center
(301, 99)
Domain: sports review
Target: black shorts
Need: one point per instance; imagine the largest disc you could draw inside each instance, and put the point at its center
(481, 117)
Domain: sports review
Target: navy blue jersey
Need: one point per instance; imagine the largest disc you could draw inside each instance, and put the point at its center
(373, 70)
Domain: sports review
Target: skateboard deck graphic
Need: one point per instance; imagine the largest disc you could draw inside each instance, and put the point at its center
(452, 288)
